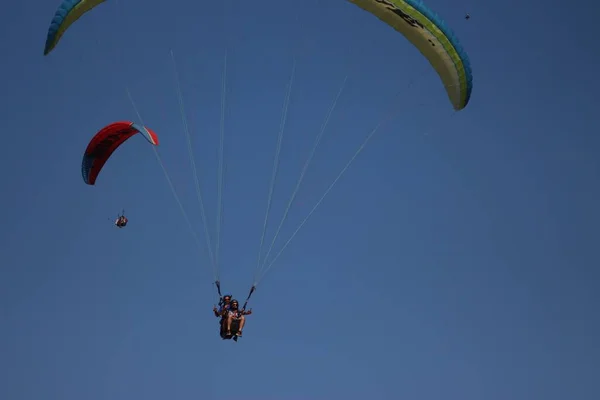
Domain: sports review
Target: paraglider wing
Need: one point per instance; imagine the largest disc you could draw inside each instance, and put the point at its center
(105, 142)
(67, 13)
(428, 33)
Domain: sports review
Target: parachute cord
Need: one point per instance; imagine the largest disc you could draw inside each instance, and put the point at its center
(185, 216)
(137, 112)
(275, 170)
(194, 168)
(301, 48)
(220, 170)
(305, 167)
(164, 169)
(118, 12)
(386, 119)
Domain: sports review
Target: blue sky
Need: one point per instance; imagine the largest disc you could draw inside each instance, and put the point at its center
(457, 257)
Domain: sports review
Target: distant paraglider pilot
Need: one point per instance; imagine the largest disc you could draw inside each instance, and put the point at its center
(121, 222)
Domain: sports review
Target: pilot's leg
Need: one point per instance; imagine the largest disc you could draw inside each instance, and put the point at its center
(242, 322)
(229, 319)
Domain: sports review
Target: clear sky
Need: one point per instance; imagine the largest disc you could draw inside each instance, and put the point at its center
(456, 259)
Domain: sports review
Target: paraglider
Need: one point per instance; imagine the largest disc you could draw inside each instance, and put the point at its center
(430, 35)
(121, 221)
(232, 317)
(417, 23)
(234, 323)
(105, 142)
(67, 13)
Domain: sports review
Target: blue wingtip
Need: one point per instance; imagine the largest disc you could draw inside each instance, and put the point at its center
(61, 13)
(86, 165)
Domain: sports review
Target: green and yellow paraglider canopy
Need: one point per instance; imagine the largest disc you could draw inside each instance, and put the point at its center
(428, 33)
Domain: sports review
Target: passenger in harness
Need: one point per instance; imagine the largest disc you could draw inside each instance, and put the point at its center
(236, 319)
